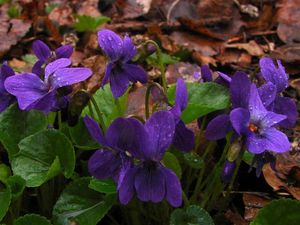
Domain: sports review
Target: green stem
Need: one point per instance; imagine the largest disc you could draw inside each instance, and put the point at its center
(209, 149)
(99, 113)
(147, 98)
(161, 64)
(185, 200)
(238, 163)
(118, 104)
(59, 120)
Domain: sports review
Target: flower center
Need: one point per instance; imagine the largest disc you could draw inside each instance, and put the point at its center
(253, 128)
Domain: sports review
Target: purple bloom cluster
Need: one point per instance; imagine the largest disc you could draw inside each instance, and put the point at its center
(38, 90)
(257, 112)
(119, 71)
(129, 139)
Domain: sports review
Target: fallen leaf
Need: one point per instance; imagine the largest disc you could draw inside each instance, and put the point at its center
(251, 47)
(252, 204)
(288, 15)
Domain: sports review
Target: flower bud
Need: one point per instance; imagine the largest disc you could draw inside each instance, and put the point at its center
(228, 171)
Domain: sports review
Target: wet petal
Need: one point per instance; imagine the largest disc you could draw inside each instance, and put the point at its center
(160, 129)
(255, 144)
(184, 138)
(150, 184)
(124, 134)
(129, 50)
(45, 103)
(103, 164)
(286, 106)
(94, 130)
(119, 83)
(37, 67)
(239, 90)
(55, 65)
(107, 74)
(271, 119)
(256, 107)
(41, 50)
(68, 76)
(126, 188)
(224, 77)
(173, 188)
(218, 127)
(240, 118)
(274, 74)
(135, 73)
(27, 87)
(181, 98)
(111, 44)
(276, 141)
(64, 51)
(267, 93)
(206, 73)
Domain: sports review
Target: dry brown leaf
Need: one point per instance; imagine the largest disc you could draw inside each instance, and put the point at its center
(252, 205)
(288, 18)
(251, 47)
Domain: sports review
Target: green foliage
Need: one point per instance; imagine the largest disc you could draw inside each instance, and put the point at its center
(279, 212)
(4, 171)
(14, 11)
(172, 163)
(49, 7)
(194, 160)
(5, 198)
(43, 156)
(29, 58)
(107, 186)
(204, 98)
(32, 219)
(86, 23)
(166, 59)
(193, 215)
(16, 125)
(108, 105)
(248, 157)
(81, 204)
(17, 185)
(81, 137)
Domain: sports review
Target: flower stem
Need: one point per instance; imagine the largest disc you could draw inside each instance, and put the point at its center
(99, 113)
(160, 63)
(147, 98)
(59, 120)
(185, 200)
(209, 149)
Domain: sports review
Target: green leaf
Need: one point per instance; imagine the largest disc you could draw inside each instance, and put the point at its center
(86, 23)
(248, 158)
(166, 59)
(80, 204)
(107, 186)
(203, 98)
(43, 156)
(5, 197)
(14, 11)
(4, 172)
(194, 160)
(17, 185)
(279, 212)
(29, 58)
(80, 136)
(171, 162)
(193, 215)
(16, 125)
(107, 105)
(32, 219)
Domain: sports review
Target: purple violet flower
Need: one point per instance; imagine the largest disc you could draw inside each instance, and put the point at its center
(228, 171)
(150, 179)
(256, 124)
(5, 98)
(121, 139)
(119, 71)
(277, 76)
(33, 93)
(184, 138)
(44, 55)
